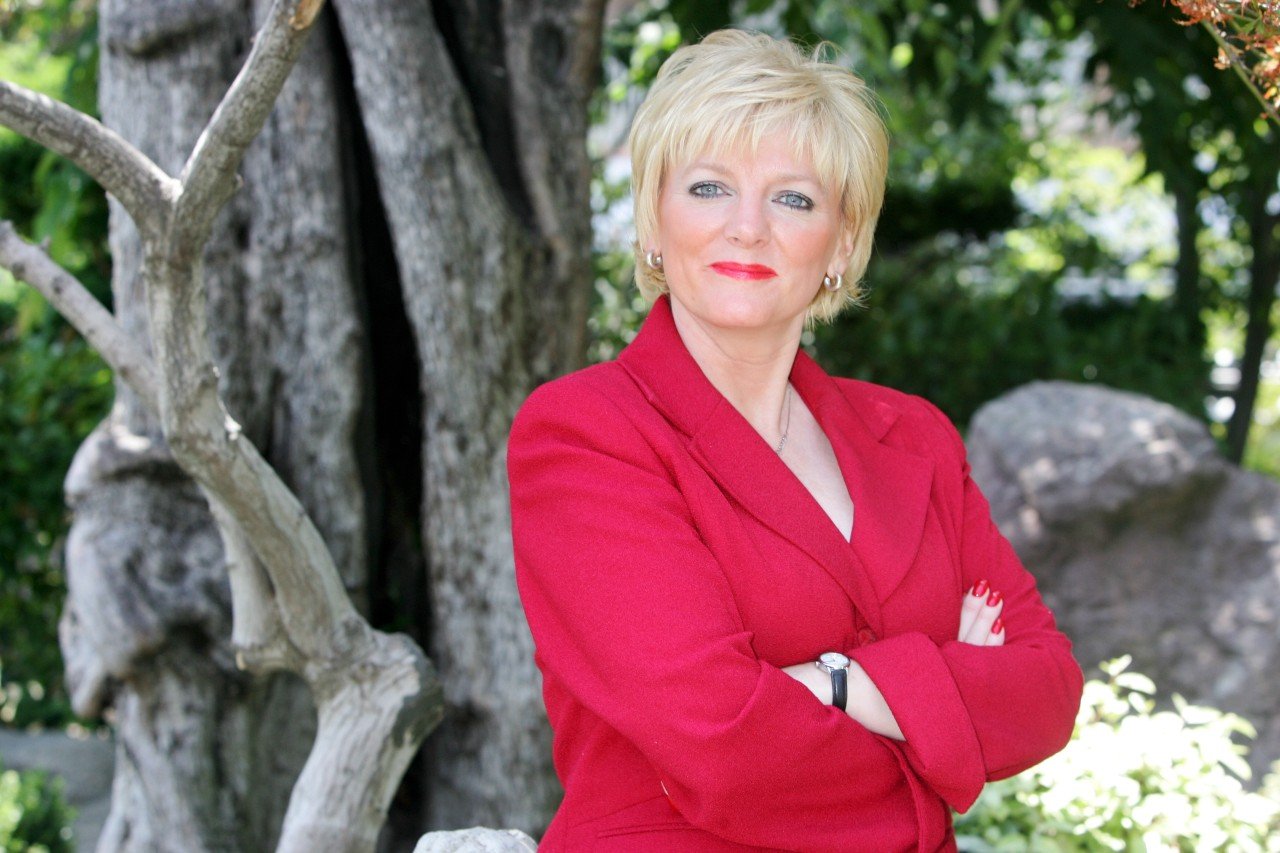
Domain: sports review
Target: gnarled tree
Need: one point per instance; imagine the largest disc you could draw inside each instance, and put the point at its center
(315, 375)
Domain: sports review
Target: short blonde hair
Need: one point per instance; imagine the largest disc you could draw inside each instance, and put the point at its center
(730, 90)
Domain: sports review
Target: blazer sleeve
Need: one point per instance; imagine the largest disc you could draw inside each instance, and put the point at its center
(1018, 702)
(631, 612)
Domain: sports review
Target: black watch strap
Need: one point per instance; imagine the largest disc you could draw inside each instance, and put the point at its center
(839, 688)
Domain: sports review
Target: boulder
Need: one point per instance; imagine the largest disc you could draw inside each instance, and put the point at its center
(1143, 539)
(476, 840)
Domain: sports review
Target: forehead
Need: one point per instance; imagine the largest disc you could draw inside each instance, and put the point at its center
(774, 154)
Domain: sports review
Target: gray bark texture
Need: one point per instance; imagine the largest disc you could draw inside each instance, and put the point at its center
(407, 258)
(147, 625)
(479, 150)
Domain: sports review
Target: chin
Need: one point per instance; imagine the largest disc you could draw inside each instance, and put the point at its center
(744, 312)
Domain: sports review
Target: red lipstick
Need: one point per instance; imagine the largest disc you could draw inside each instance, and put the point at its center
(746, 272)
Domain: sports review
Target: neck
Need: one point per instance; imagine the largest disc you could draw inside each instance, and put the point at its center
(749, 367)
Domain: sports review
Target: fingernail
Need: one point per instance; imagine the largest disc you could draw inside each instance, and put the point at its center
(997, 626)
(993, 599)
(979, 589)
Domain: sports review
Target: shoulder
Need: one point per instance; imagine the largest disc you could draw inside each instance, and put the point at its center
(599, 408)
(583, 395)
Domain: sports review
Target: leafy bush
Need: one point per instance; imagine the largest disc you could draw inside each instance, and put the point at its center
(1132, 778)
(34, 817)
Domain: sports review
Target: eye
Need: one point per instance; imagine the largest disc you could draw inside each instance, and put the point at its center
(796, 200)
(706, 189)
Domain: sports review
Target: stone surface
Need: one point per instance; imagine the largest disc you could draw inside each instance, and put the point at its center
(1143, 539)
(83, 763)
(476, 840)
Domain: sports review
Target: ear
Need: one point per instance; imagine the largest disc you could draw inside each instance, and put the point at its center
(844, 249)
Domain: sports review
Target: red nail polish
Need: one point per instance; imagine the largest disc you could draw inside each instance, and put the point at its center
(997, 626)
(993, 599)
(980, 589)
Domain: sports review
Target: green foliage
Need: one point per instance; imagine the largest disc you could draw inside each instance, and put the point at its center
(1069, 293)
(1132, 778)
(1263, 453)
(927, 332)
(46, 197)
(53, 388)
(34, 817)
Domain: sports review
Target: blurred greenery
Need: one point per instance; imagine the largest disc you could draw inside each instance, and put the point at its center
(34, 816)
(53, 387)
(1132, 778)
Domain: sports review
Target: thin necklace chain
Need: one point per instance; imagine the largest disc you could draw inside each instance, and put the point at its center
(786, 428)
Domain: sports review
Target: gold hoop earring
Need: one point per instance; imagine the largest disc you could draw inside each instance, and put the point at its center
(833, 284)
(653, 260)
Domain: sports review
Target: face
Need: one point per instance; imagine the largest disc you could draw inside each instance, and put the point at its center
(745, 238)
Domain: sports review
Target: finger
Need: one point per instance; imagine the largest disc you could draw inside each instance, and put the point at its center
(971, 606)
(979, 633)
(996, 637)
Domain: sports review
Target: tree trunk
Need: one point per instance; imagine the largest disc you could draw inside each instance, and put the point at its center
(206, 755)
(1186, 291)
(1264, 278)
(479, 148)
(408, 258)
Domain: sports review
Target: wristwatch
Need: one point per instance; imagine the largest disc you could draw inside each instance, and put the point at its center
(838, 666)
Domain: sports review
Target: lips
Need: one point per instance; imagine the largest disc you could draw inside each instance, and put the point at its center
(747, 272)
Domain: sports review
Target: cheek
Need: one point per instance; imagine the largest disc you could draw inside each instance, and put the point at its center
(682, 231)
(810, 247)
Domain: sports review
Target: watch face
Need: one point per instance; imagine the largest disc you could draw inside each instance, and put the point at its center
(834, 660)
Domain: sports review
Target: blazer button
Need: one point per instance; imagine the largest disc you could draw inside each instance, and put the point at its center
(865, 636)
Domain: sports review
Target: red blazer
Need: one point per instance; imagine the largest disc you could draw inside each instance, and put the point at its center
(670, 563)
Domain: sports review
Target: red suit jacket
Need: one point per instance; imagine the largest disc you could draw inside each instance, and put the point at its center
(670, 563)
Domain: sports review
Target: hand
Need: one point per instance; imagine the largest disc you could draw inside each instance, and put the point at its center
(980, 623)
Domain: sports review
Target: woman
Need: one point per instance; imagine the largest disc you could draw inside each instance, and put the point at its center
(770, 607)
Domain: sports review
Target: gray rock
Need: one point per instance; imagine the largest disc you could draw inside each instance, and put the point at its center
(476, 840)
(1143, 539)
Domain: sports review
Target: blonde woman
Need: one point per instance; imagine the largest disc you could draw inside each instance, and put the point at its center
(770, 607)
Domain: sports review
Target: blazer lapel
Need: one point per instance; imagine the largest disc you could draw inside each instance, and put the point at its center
(750, 472)
(890, 488)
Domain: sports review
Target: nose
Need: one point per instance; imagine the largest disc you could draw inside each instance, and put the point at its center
(746, 225)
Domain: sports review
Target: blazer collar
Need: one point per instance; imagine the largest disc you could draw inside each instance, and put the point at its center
(889, 487)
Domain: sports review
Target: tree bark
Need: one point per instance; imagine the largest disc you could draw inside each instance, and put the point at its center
(188, 724)
(479, 152)
(1186, 292)
(467, 171)
(206, 754)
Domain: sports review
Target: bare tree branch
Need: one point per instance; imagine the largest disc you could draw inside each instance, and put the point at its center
(206, 441)
(141, 186)
(30, 264)
(209, 176)
(377, 695)
(257, 635)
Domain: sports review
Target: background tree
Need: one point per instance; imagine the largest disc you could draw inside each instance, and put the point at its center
(407, 259)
